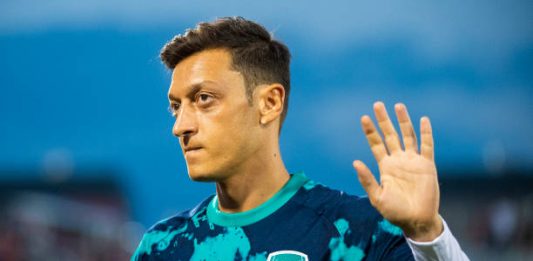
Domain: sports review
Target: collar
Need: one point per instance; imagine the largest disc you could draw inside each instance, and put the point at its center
(260, 212)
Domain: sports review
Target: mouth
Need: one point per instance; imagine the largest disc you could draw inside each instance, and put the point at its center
(191, 149)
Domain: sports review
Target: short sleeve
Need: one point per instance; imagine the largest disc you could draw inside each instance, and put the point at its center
(388, 243)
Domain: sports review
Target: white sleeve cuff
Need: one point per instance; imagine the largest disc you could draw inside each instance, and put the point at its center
(444, 247)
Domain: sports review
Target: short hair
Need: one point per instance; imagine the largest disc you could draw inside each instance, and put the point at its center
(254, 52)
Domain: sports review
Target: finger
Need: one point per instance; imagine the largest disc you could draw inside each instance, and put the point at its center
(406, 126)
(391, 136)
(374, 140)
(368, 181)
(426, 135)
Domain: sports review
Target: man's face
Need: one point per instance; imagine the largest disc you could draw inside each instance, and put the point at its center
(215, 124)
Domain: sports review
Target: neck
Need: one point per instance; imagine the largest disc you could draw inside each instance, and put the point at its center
(253, 183)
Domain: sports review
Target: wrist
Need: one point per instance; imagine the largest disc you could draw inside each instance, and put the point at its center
(425, 231)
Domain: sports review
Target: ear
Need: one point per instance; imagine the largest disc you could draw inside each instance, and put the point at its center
(271, 99)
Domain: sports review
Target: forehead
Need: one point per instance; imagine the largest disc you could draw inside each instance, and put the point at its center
(205, 66)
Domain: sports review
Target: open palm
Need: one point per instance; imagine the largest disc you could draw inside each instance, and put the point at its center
(408, 192)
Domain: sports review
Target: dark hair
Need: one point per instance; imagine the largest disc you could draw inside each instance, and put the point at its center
(254, 52)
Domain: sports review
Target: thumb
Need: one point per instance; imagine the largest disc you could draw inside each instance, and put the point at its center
(368, 181)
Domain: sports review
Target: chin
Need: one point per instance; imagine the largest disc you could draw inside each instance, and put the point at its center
(196, 174)
(200, 178)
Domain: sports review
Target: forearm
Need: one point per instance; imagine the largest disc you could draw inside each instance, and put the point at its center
(444, 247)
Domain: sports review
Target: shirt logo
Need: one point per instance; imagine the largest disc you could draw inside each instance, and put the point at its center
(287, 255)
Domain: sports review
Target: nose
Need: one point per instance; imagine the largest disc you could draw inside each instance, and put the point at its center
(185, 124)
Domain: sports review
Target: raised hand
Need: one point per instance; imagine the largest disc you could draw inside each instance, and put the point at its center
(408, 192)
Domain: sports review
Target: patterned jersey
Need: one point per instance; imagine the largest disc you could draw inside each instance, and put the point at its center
(303, 221)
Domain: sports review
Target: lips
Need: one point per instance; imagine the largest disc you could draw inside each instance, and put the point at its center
(191, 149)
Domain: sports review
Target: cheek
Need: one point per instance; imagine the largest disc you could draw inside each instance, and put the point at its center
(232, 131)
(232, 117)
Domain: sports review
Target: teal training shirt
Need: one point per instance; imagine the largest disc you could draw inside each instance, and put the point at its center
(303, 221)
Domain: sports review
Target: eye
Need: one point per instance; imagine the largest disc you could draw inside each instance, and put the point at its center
(173, 108)
(204, 98)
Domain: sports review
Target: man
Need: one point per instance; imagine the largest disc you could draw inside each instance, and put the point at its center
(229, 96)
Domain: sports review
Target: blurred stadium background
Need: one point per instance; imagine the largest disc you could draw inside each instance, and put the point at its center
(88, 161)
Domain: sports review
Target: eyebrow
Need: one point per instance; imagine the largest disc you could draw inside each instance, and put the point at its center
(193, 89)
